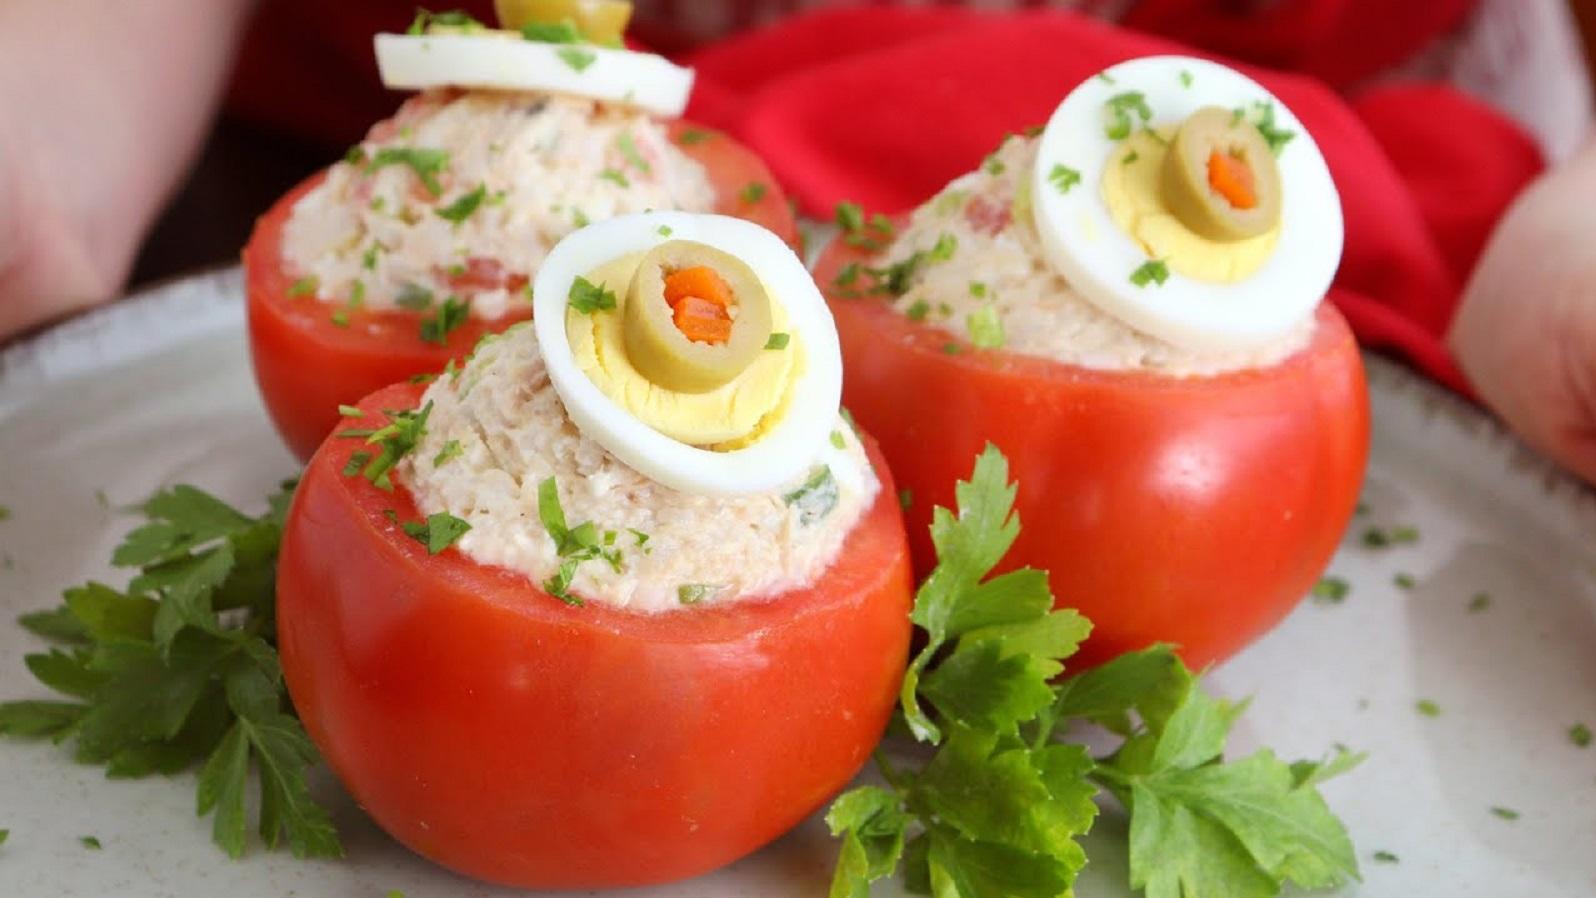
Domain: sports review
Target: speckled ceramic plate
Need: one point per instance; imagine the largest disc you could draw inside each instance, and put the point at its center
(98, 413)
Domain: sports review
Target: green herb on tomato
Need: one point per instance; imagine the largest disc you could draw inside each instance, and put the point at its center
(452, 315)
(305, 286)
(450, 451)
(413, 297)
(438, 532)
(393, 441)
(574, 545)
(753, 192)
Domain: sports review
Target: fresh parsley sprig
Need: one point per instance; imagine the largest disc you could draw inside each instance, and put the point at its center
(998, 808)
(180, 668)
(574, 545)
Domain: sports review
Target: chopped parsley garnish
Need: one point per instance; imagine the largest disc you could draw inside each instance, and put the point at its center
(89, 842)
(1106, 78)
(451, 315)
(986, 328)
(438, 532)
(778, 340)
(1121, 107)
(1153, 271)
(454, 18)
(753, 192)
(425, 163)
(4, 835)
(1062, 177)
(305, 286)
(357, 461)
(815, 498)
(5, 513)
(996, 803)
(693, 136)
(848, 275)
(1507, 814)
(1580, 735)
(350, 411)
(665, 230)
(1386, 857)
(1479, 602)
(1379, 537)
(562, 32)
(894, 279)
(847, 418)
(1186, 78)
(992, 165)
(462, 208)
(450, 451)
(850, 217)
(578, 58)
(180, 671)
(905, 498)
(1404, 580)
(340, 317)
(918, 310)
(883, 225)
(949, 202)
(355, 155)
(368, 259)
(978, 289)
(640, 536)
(573, 544)
(357, 294)
(837, 441)
(1331, 590)
(1130, 157)
(615, 176)
(693, 593)
(413, 297)
(587, 297)
(628, 148)
(1275, 136)
(1427, 707)
(951, 348)
(393, 440)
(944, 248)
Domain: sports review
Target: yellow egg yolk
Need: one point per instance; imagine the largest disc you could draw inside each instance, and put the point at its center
(1132, 190)
(731, 416)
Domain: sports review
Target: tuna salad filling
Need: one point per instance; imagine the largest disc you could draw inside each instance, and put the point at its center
(498, 443)
(971, 261)
(462, 195)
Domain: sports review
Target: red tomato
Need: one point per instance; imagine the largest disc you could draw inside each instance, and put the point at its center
(1196, 511)
(507, 736)
(306, 365)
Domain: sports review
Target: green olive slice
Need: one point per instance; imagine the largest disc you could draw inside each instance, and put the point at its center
(1220, 178)
(661, 352)
(600, 21)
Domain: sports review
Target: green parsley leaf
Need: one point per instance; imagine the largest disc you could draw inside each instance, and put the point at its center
(1331, 590)
(628, 147)
(1275, 136)
(425, 163)
(450, 451)
(848, 275)
(693, 593)
(4, 835)
(896, 279)
(1580, 735)
(562, 32)
(1404, 580)
(588, 297)
(394, 441)
(882, 224)
(578, 58)
(688, 137)
(665, 230)
(1121, 107)
(778, 340)
(1386, 857)
(1427, 707)
(815, 498)
(837, 441)
(463, 207)
(918, 310)
(1153, 271)
(413, 298)
(992, 165)
(944, 248)
(986, 328)
(615, 176)
(438, 532)
(305, 286)
(1062, 177)
(849, 217)
(1186, 78)
(89, 842)
(753, 192)
(1480, 602)
(350, 411)
(1507, 814)
(454, 18)
(454, 313)
(905, 498)
(574, 545)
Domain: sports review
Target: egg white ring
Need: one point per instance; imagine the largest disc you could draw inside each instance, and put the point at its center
(782, 455)
(1089, 249)
(644, 80)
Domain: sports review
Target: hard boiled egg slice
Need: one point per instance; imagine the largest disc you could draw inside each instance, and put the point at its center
(582, 298)
(1092, 172)
(505, 61)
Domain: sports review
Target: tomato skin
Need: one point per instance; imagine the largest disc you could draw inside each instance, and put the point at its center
(1195, 511)
(511, 738)
(306, 366)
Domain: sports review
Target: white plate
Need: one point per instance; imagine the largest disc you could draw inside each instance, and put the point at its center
(157, 390)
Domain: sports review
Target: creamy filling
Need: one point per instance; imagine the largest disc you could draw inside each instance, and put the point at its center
(498, 430)
(981, 273)
(514, 172)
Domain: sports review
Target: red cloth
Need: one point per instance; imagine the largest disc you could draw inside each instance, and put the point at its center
(884, 106)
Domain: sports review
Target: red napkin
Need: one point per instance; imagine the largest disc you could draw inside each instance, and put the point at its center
(884, 106)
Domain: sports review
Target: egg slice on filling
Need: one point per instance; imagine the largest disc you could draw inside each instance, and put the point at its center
(1184, 199)
(695, 348)
(557, 46)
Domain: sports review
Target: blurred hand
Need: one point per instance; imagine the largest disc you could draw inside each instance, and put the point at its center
(1525, 332)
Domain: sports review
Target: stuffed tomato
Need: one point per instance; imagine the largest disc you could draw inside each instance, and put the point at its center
(557, 623)
(1188, 423)
(399, 258)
